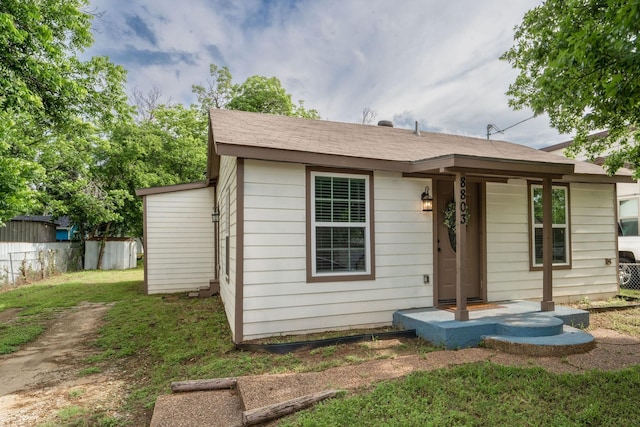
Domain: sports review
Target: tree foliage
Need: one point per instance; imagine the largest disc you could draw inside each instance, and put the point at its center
(47, 94)
(579, 62)
(219, 90)
(257, 94)
(170, 148)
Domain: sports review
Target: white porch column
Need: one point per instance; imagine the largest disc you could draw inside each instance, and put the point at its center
(547, 303)
(460, 190)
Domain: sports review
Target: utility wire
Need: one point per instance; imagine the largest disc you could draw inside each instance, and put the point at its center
(491, 127)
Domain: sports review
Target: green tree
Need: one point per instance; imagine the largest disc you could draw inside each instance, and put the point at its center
(170, 148)
(257, 94)
(219, 90)
(47, 93)
(262, 95)
(579, 62)
(266, 95)
(16, 171)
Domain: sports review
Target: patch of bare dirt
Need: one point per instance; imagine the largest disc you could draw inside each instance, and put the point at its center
(43, 377)
(8, 314)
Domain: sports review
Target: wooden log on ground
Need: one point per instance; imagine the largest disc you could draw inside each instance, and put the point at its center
(203, 385)
(277, 410)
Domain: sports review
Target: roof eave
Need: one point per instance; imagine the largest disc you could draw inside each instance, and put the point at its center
(307, 157)
(492, 166)
(602, 179)
(171, 188)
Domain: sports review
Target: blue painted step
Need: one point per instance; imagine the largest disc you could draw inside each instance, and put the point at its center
(529, 325)
(570, 341)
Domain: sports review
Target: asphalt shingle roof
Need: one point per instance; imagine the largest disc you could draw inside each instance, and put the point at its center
(235, 131)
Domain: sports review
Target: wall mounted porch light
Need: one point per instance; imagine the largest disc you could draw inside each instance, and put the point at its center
(427, 200)
(215, 216)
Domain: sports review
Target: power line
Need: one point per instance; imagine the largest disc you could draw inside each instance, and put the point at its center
(496, 129)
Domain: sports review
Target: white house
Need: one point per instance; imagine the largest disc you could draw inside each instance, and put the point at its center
(321, 225)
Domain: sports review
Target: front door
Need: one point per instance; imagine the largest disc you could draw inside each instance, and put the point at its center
(446, 243)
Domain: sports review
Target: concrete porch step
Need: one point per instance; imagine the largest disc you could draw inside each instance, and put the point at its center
(569, 341)
(514, 326)
(529, 325)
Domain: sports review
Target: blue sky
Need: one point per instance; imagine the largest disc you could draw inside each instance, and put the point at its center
(432, 61)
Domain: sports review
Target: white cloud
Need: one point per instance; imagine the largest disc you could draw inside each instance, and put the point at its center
(433, 61)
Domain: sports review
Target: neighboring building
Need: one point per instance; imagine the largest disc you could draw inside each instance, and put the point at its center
(628, 209)
(64, 229)
(321, 225)
(29, 228)
(37, 228)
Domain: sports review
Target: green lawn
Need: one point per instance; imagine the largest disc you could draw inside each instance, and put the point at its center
(485, 394)
(161, 339)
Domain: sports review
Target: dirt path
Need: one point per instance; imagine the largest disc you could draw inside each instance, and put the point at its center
(42, 378)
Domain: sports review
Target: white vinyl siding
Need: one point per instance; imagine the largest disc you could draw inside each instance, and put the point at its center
(180, 240)
(277, 298)
(227, 195)
(593, 244)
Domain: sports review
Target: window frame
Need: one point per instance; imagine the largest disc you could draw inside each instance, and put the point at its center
(227, 237)
(533, 266)
(312, 225)
(634, 217)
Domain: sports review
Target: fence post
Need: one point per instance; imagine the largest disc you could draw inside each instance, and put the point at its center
(11, 268)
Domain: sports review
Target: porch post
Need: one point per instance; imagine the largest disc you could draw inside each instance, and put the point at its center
(460, 190)
(547, 303)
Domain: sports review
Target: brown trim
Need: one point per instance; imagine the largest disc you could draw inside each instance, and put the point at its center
(461, 313)
(445, 177)
(172, 188)
(547, 303)
(483, 239)
(239, 303)
(487, 167)
(616, 203)
(501, 173)
(471, 164)
(213, 158)
(598, 179)
(560, 146)
(307, 157)
(569, 265)
(372, 244)
(146, 247)
(216, 236)
(434, 238)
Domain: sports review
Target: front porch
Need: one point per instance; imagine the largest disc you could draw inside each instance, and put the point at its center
(514, 326)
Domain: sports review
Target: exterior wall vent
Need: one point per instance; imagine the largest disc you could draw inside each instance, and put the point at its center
(386, 123)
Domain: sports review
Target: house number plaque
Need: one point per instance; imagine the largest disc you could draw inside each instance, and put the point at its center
(463, 200)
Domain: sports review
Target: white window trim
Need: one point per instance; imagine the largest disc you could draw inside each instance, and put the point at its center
(367, 225)
(565, 226)
(632, 217)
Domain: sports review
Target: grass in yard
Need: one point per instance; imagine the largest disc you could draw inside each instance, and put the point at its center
(160, 339)
(485, 394)
(625, 321)
(39, 303)
(630, 293)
